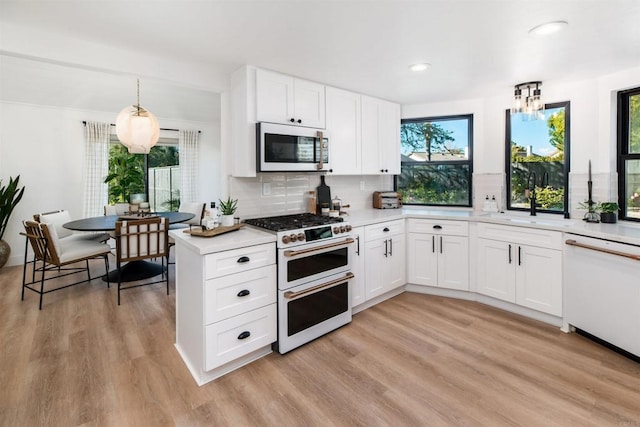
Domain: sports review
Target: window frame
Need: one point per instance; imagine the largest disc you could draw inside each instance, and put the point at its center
(623, 154)
(468, 161)
(567, 159)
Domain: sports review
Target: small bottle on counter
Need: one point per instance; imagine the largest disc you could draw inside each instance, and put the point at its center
(336, 204)
(311, 202)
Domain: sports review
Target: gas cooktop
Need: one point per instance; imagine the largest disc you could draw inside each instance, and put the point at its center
(292, 222)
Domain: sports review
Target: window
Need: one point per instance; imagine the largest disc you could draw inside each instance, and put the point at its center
(156, 174)
(629, 154)
(537, 160)
(436, 161)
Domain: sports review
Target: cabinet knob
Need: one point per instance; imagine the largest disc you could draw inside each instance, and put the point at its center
(299, 121)
(292, 120)
(243, 259)
(386, 229)
(381, 170)
(244, 293)
(243, 335)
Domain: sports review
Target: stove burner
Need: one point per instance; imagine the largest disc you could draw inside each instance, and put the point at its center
(292, 222)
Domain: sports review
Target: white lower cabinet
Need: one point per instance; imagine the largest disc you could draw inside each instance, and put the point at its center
(384, 257)
(438, 253)
(521, 265)
(226, 311)
(358, 294)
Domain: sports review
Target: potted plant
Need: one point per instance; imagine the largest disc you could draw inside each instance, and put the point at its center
(227, 209)
(9, 198)
(608, 212)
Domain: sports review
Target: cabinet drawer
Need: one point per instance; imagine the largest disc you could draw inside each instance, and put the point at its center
(224, 340)
(375, 231)
(521, 235)
(239, 293)
(237, 260)
(436, 226)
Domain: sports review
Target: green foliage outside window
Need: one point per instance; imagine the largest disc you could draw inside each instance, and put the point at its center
(126, 174)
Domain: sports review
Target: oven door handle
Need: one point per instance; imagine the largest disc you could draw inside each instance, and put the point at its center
(292, 295)
(290, 253)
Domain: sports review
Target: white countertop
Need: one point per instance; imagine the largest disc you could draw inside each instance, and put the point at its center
(246, 236)
(623, 232)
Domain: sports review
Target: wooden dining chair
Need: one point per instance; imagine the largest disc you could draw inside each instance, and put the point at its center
(56, 257)
(142, 239)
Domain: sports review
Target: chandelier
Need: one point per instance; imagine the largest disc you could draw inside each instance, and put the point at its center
(137, 128)
(531, 104)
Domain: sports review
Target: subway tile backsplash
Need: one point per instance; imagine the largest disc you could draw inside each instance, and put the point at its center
(272, 194)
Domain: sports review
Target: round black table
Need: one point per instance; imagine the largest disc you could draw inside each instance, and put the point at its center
(133, 270)
(108, 222)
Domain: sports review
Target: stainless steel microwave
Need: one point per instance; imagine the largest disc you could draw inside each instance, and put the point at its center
(283, 148)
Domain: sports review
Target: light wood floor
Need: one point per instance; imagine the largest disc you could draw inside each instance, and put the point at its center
(414, 360)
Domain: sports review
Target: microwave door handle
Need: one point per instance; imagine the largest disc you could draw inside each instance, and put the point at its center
(320, 164)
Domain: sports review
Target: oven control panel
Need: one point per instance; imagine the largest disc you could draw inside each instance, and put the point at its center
(312, 234)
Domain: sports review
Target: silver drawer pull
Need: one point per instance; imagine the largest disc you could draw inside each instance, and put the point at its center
(292, 295)
(290, 253)
(244, 335)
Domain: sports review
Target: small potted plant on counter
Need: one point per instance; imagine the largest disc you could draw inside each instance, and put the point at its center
(608, 212)
(227, 209)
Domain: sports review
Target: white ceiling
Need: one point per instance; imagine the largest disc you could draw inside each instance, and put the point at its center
(476, 47)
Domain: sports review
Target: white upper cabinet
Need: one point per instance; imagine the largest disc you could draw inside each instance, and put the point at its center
(344, 127)
(380, 136)
(287, 100)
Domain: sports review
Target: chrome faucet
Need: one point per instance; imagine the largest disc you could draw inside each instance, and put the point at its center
(531, 185)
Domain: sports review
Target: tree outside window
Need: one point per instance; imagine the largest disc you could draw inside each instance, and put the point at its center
(436, 163)
(155, 174)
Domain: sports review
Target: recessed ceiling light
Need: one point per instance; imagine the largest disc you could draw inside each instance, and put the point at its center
(420, 66)
(548, 28)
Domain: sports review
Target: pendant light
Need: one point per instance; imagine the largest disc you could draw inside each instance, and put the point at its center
(531, 104)
(137, 128)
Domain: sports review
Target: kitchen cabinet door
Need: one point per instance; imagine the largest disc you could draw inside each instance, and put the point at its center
(358, 294)
(397, 271)
(287, 100)
(539, 279)
(380, 137)
(389, 137)
(453, 262)
(422, 259)
(309, 104)
(275, 97)
(344, 125)
(496, 269)
(376, 265)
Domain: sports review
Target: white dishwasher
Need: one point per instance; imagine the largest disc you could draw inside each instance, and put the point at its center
(602, 290)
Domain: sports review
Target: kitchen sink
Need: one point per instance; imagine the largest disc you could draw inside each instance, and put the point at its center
(524, 220)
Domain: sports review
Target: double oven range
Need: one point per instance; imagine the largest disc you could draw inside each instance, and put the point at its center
(314, 270)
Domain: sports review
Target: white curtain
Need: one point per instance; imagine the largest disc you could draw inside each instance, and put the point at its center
(188, 148)
(96, 168)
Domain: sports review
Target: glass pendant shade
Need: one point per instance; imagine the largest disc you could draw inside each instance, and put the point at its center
(517, 102)
(137, 129)
(531, 104)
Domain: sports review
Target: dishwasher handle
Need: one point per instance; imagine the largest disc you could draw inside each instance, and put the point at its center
(572, 242)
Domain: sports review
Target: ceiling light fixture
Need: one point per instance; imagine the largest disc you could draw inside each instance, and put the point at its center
(137, 128)
(548, 28)
(422, 66)
(532, 104)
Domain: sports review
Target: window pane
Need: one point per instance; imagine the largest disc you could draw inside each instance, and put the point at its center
(437, 140)
(537, 163)
(634, 124)
(436, 161)
(164, 178)
(632, 178)
(435, 184)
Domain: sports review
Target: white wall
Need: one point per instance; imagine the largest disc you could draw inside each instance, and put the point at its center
(593, 134)
(42, 139)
